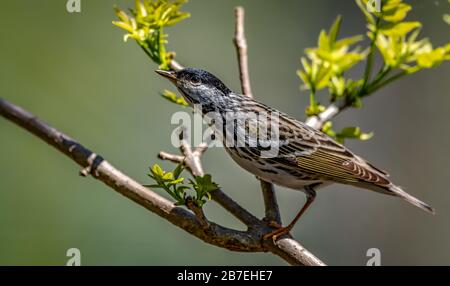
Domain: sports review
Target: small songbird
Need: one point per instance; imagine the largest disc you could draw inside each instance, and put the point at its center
(302, 158)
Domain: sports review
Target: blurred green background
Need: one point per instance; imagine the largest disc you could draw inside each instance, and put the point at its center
(75, 72)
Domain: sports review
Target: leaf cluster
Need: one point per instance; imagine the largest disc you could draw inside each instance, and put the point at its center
(172, 97)
(173, 184)
(397, 39)
(324, 65)
(345, 133)
(390, 35)
(145, 24)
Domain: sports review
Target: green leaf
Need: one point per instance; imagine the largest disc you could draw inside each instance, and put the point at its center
(157, 171)
(169, 183)
(348, 41)
(337, 86)
(182, 188)
(356, 102)
(307, 84)
(446, 18)
(314, 109)
(352, 133)
(176, 181)
(141, 12)
(172, 97)
(327, 126)
(365, 136)
(126, 26)
(431, 58)
(327, 129)
(203, 185)
(362, 6)
(345, 133)
(330, 59)
(322, 76)
(167, 176)
(323, 42)
(353, 85)
(178, 170)
(334, 30)
(146, 24)
(395, 12)
(397, 51)
(399, 29)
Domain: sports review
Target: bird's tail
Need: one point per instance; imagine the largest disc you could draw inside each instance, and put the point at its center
(410, 199)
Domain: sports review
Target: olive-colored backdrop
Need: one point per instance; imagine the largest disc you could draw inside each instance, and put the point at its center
(75, 72)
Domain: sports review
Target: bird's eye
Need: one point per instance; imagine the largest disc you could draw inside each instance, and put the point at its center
(195, 80)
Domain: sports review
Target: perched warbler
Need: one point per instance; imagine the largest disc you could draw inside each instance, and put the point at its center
(294, 155)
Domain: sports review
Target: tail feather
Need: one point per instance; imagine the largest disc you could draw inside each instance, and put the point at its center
(410, 199)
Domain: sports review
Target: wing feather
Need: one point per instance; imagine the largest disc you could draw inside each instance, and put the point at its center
(306, 150)
(316, 153)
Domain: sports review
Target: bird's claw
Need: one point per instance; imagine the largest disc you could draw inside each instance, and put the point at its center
(274, 224)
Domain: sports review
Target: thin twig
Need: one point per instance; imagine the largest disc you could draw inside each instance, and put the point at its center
(175, 65)
(171, 157)
(241, 48)
(317, 121)
(370, 57)
(191, 159)
(240, 41)
(272, 212)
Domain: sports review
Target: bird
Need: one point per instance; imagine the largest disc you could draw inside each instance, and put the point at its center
(293, 155)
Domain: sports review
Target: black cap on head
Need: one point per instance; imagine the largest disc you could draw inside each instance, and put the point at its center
(202, 77)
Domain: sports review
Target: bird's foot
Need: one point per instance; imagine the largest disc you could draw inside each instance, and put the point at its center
(280, 231)
(274, 224)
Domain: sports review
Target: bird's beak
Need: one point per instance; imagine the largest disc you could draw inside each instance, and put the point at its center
(170, 75)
